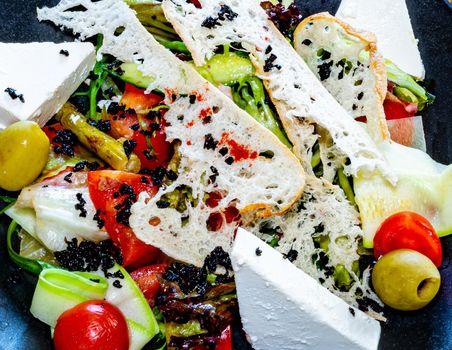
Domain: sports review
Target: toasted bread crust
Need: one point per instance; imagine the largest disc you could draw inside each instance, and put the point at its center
(376, 63)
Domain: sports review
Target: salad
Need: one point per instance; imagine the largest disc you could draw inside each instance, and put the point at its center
(99, 195)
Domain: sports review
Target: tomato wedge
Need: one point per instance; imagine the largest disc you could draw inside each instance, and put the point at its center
(225, 340)
(147, 130)
(147, 280)
(92, 325)
(408, 230)
(113, 192)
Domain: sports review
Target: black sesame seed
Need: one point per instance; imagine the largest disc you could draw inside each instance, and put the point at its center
(14, 94)
(210, 142)
(306, 42)
(292, 255)
(258, 251)
(115, 108)
(162, 204)
(147, 153)
(64, 53)
(223, 151)
(268, 49)
(81, 205)
(352, 311)
(171, 175)
(117, 284)
(144, 180)
(100, 222)
(135, 127)
(129, 146)
(360, 95)
(229, 160)
(67, 178)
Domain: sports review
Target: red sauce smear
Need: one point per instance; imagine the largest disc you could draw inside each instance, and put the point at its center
(206, 112)
(236, 150)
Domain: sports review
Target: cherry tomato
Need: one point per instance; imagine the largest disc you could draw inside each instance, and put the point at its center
(92, 325)
(105, 192)
(225, 341)
(147, 281)
(408, 230)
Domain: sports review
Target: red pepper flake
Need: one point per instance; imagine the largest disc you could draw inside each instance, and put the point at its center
(171, 92)
(236, 150)
(190, 124)
(206, 115)
(188, 142)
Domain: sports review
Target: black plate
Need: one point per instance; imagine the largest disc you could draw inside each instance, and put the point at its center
(430, 328)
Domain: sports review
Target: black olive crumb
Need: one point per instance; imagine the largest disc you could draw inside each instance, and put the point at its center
(67, 178)
(352, 311)
(258, 251)
(64, 52)
(229, 160)
(117, 284)
(14, 94)
(81, 205)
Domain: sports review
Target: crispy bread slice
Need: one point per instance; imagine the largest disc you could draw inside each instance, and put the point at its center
(319, 233)
(222, 149)
(347, 63)
(305, 107)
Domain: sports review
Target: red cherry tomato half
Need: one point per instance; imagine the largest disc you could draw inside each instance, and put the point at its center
(92, 325)
(407, 230)
(146, 279)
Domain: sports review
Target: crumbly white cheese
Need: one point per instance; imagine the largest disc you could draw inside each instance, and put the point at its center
(252, 183)
(283, 308)
(43, 76)
(390, 21)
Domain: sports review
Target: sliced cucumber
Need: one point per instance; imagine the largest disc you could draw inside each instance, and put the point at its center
(59, 290)
(227, 69)
(131, 74)
(424, 187)
(130, 300)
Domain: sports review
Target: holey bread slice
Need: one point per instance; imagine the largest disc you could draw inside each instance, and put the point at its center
(347, 63)
(305, 107)
(320, 235)
(222, 149)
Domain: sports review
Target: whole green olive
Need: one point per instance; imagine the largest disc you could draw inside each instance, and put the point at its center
(24, 149)
(405, 279)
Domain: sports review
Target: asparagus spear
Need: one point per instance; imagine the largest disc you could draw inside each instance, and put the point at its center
(105, 146)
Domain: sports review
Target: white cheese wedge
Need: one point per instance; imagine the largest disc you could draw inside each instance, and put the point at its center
(390, 21)
(283, 308)
(43, 75)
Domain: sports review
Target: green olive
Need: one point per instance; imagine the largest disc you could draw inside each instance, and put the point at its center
(405, 279)
(24, 149)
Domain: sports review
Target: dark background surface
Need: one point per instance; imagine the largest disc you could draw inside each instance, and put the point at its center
(430, 328)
